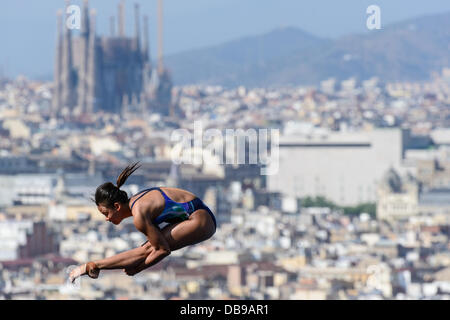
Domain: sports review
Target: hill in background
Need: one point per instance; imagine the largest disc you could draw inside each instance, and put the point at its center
(405, 51)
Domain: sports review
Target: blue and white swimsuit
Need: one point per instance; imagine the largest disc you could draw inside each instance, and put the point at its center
(175, 212)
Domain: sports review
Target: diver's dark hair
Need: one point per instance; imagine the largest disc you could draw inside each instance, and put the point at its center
(108, 193)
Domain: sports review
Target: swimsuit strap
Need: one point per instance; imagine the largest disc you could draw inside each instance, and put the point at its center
(166, 197)
(144, 192)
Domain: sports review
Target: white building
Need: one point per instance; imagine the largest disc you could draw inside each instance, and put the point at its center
(12, 235)
(27, 189)
(41, 189)
(344, 167)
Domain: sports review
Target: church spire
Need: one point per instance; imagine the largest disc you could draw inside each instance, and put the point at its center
(58, 65)
(121, 18)
(146, 45)
(137, 27)
(85, 28)
(91, 83)
(160, 37)
(83, 70)
(68, 94)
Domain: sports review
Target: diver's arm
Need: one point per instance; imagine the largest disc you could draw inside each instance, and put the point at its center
(88, 268)
(157, 247)
(124, 259)
(133, 259)
(150, 253)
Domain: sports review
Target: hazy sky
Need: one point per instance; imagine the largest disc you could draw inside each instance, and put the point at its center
(28, 27)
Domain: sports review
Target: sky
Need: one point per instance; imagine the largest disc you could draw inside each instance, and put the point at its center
(28, 27)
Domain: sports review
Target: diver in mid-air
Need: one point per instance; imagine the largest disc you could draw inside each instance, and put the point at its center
(188, 222)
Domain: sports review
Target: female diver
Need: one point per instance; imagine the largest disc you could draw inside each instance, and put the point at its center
(188, 222)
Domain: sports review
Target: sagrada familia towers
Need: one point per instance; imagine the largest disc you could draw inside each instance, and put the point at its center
(113, 74)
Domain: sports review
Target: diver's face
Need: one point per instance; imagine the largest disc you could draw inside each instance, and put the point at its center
(112, 215)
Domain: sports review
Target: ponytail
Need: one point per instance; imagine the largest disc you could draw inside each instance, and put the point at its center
(128, 171)
(107, 194)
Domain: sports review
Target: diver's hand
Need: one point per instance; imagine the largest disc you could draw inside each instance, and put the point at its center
(89, 268)
(92, 270)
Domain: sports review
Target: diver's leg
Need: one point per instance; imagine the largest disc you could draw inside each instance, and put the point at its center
(199, 227)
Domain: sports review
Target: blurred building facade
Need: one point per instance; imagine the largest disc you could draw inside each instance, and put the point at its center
(344, 167)
(397, 197)
(110, 73)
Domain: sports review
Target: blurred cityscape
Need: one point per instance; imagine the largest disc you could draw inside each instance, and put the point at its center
(359, 207)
